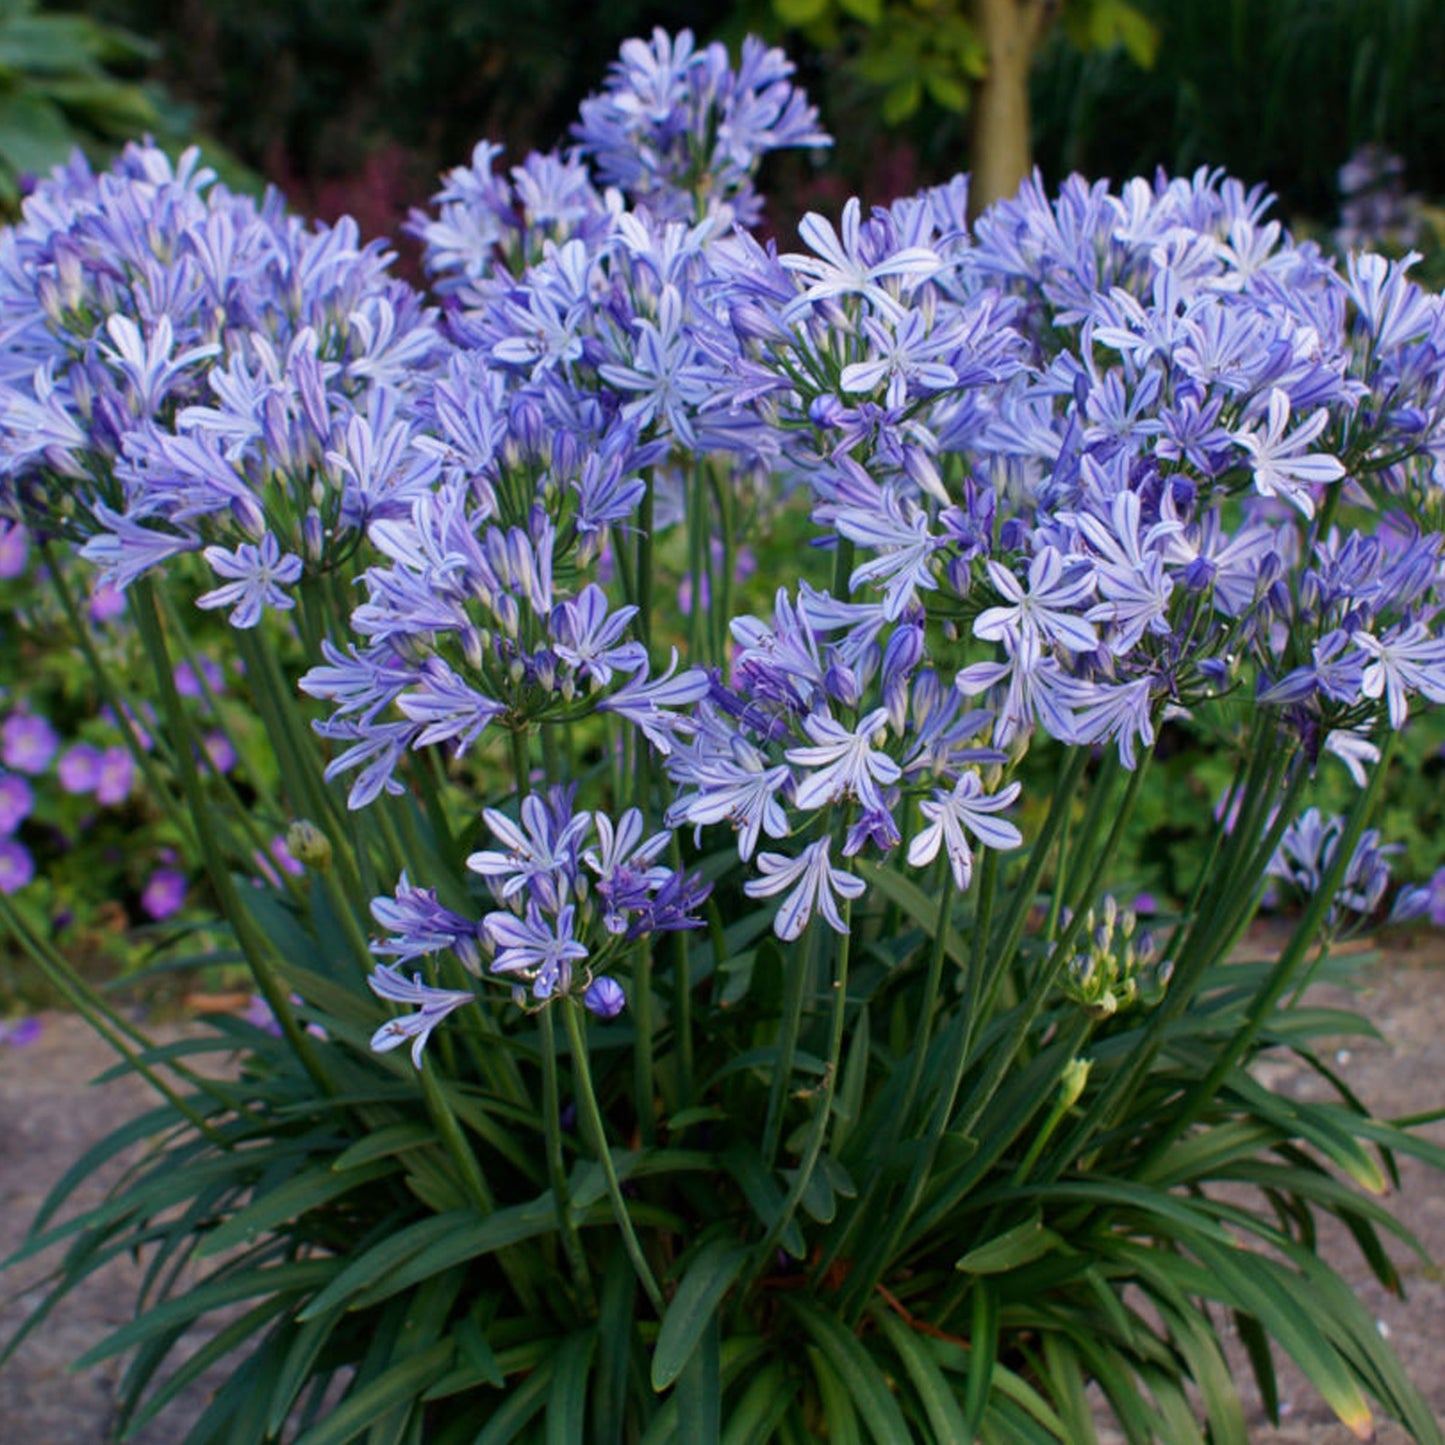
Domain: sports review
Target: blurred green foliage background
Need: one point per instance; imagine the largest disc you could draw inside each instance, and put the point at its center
(358, 104)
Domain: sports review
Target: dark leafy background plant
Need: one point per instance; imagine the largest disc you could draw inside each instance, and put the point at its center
(1281, 92)
(68, 80)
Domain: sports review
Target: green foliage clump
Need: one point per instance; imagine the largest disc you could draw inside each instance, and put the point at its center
(66, 81)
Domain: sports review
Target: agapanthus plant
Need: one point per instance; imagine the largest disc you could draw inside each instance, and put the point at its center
(719, 1022)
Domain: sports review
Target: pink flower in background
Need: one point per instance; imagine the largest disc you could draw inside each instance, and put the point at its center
(220, 752)
(258, 1014)
(106, 603)
(16, 801)
(285, 859)
(14, 549)
(282, 857)
(17, 867)
(164, 893)
(188, 684)
(116, 776)
(27, 743)
(137, 721)
(744, 565)
(18, 1033)
(79, 768)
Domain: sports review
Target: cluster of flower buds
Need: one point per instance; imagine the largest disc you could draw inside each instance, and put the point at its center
(1119, 966)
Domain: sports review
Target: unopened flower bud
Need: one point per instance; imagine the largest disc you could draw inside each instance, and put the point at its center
(527, 427)
(249, 516)
(507, 613)
(1073, 1081)
(48, 294)
(842, 685)
(604, 997)
(313, 535)
(826, 411)
(309, 845)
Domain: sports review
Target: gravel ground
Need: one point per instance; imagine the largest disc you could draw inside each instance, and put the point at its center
(49, 1114)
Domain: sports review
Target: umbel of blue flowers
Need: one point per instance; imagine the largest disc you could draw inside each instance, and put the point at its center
(189, 371)
(1084, 466)
(1066, 459)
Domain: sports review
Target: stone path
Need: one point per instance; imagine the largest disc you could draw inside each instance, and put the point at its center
(49, 1114)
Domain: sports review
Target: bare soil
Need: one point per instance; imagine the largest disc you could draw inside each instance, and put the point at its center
(49, 1114)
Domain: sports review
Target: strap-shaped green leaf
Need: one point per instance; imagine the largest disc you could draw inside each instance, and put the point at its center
(837, 1403)
(761, 1190)
(763, 1404)
(480, 1237)
(938, 1397)
(982, 1356)
(221, 1344)
(522, 1405)
(712, 1272)
(294, 1278)
(699, 1389)
(1020, 1245)
(615, 1337)
(384, 1142)
(316, 1187)
(296, 1367)
(859, 1371)
(381, 1259)
(567, 1399)
(404, 1381)
(920, 908)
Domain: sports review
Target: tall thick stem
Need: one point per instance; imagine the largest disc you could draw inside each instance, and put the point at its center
(556, 1170)
(1010, 31)
(592, 1123)
(818, 1132)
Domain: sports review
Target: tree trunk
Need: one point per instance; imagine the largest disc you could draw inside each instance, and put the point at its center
(1010, 31)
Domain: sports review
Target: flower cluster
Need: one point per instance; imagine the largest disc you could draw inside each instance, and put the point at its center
(1072, 454)
(1308, 848)
(573, 888)
(1093, 462)
(1119, 964)
(681, 130)
(206, 374)
(587, 344)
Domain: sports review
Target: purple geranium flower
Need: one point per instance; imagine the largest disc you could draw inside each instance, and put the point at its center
(16, 801)
(193, 682)
(27, 743)
(114, 777)
(14, 548)
(164, 893)
(79, 768)
(107, 603)
(21, 1033)
(17, 867)
(221, 754)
